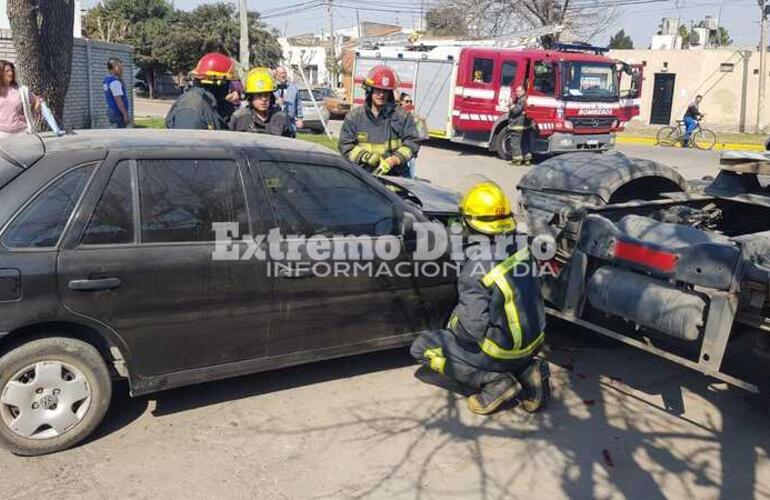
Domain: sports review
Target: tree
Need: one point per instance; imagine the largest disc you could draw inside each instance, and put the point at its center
(143, 24)
(42, 36)
(621, 41)
(165, 39)
(446, 21)
(685, 34)
(498, 18)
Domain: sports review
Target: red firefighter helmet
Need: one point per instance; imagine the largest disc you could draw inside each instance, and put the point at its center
(382, 77)
(214, 67)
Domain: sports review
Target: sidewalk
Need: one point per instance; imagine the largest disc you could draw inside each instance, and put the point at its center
(725, 140)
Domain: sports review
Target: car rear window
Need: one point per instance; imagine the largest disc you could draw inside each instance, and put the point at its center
(41, 223)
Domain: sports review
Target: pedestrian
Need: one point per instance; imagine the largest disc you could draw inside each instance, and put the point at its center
(380, 136)
(262, 115)
(405, 101)
(691, 118)
(115, 94)
(518, 129)
(12, 119)
(288, 98)
(210, 100)
(497, 328)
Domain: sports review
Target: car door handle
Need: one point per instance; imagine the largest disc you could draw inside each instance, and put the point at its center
(290, 272)
(94, 285)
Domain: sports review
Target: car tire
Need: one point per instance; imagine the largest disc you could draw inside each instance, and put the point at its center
(500, 144)
(66, 383)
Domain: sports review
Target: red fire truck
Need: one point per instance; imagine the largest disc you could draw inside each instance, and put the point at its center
(577, 97)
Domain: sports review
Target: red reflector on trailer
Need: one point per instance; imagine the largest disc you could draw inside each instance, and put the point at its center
(663, 261)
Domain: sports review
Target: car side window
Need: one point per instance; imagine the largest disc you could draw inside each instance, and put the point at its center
(311, 199)
(41, 223)
(113, 218)
(180, 200)
(508, 74)
(482, 70)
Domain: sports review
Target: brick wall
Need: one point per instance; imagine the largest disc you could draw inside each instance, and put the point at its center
(85, 106)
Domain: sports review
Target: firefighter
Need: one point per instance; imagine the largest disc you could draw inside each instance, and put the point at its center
(518, 127)
(497, 327)
(380, 136)
(262, 115)
(210, 101)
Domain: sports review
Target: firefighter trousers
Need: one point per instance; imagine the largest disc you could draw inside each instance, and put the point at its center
(443, 352)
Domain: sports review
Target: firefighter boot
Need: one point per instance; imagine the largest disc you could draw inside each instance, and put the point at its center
(517, 161)
(494, 393)
(537, 387)
(528, 159)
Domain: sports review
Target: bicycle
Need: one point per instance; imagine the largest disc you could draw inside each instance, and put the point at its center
(701, 138)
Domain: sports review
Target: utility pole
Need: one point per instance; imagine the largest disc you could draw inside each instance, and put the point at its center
(243, 9)
(762, 67)
(358, 23)
(333, 50)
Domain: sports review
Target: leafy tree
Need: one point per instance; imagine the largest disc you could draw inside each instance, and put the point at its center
(166, 39)
(446, 21)
(621, 41)
(42, 35)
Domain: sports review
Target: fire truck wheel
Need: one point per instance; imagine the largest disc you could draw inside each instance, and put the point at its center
(500, 144)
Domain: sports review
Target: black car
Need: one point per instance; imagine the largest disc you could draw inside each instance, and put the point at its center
(106, 268)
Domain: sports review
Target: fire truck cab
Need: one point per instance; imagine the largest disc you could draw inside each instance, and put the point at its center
(577, 98)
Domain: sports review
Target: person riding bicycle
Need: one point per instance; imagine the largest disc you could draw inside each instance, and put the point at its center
(691, 118)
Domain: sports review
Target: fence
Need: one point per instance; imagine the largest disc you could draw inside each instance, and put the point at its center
(84, 106)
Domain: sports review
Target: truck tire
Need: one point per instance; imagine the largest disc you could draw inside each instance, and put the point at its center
(54, 392)
(500, 144)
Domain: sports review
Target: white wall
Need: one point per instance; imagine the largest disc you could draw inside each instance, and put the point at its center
(306, 56)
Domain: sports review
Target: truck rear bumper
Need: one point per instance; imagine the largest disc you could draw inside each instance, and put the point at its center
(567, 143)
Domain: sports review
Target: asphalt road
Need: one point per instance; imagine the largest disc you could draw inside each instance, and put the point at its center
(622, 424)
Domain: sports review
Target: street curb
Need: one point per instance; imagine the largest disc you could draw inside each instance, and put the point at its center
(651, 141)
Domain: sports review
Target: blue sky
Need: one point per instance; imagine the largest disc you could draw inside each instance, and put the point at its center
(740, 17)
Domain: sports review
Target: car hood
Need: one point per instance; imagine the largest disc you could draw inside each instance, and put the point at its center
(432, 199)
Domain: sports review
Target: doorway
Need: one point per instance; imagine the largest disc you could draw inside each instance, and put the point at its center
(662, 99)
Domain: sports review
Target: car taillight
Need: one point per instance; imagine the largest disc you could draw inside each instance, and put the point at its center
(638, 254)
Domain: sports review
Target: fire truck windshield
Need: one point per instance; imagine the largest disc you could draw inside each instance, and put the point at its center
(589, 81)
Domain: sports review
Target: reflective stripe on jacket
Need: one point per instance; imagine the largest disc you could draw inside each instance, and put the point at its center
(500, 307)
(391, 133)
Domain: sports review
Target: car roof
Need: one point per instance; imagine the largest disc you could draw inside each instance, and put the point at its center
(163, 138)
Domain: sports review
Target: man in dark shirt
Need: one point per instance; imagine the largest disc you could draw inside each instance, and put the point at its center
(691, 118)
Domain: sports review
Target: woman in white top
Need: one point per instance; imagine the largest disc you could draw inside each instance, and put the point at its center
(12, 119)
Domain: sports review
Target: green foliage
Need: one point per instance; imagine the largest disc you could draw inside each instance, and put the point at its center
(167, 39)
(621, 41)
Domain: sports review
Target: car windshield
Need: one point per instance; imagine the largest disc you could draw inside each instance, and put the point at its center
(318, 94)
(589, 81)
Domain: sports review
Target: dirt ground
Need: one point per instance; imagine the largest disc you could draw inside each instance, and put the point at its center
(622, 425)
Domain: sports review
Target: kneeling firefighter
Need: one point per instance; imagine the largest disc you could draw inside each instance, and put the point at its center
(262, 115)
(211, 100)
(497, 327)
(380, 136)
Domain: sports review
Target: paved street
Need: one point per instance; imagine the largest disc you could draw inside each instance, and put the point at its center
(622, 424)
